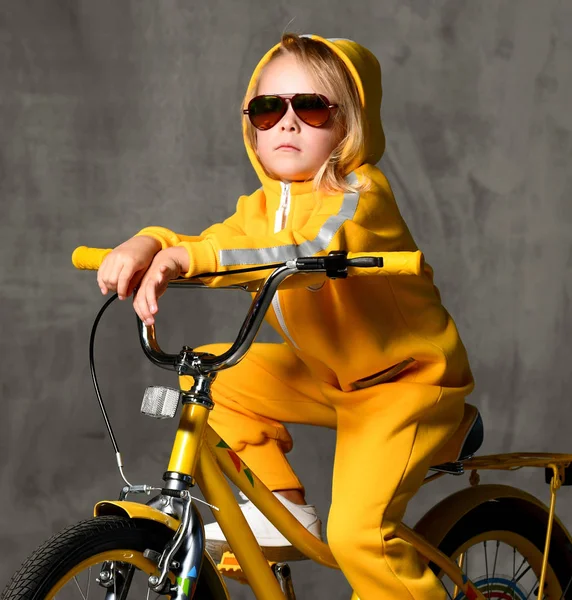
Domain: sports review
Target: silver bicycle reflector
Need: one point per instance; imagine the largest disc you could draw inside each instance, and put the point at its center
(160, 402)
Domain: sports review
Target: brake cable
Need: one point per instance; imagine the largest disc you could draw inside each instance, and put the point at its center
(92, 360)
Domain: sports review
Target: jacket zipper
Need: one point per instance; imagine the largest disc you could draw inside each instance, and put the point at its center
(283, 209)
(279, 224)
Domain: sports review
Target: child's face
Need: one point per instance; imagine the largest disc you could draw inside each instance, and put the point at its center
(284, 75)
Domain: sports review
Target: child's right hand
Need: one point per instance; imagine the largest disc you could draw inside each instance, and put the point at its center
(124, 267)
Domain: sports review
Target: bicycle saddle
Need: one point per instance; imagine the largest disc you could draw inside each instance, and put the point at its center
(465, 441)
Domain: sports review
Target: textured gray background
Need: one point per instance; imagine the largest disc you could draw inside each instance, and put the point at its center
(116, 115)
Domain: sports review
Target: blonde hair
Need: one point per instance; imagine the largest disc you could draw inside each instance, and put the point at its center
(328, 71)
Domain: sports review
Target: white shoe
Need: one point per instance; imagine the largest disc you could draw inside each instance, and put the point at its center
(273, 543)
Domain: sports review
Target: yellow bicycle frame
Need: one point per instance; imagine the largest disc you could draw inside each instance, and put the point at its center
(200, 453)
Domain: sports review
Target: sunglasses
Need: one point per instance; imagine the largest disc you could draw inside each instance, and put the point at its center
(265, 111)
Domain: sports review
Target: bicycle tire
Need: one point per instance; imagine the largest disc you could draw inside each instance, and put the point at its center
(511, 517)
(58, 556)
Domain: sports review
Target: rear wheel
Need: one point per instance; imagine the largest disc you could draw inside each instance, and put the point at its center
(500, 548)
(103, 558)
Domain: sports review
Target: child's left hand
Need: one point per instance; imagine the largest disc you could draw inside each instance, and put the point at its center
(168, 264)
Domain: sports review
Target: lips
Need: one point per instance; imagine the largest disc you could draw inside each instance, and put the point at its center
(287, 147)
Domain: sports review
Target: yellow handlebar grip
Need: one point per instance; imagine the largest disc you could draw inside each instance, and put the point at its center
(394, 263)
(403, 263)
(89, 258)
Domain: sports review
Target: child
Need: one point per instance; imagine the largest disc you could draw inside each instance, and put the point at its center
(377, 358)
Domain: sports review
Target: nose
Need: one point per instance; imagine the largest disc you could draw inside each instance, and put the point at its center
(289, 121)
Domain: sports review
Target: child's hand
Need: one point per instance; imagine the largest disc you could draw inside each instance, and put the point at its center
(124, 267)
(168, 264)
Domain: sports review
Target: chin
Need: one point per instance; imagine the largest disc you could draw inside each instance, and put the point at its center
(289, 177)
(296, 176)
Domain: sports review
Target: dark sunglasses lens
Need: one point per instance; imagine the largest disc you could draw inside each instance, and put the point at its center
(311, 108)
(265, 111)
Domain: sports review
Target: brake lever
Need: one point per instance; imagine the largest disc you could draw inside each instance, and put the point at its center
(335, 264)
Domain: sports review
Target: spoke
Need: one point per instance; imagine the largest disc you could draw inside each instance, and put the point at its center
(487, 570)
(513, 566)
(523, 574)
(496, 555)
(528, 595)
(446, 590)
(79, 588)
(516, 579)
(148, 590)
(88, 582)
(531, 590)
(467, 563)
(568, 586)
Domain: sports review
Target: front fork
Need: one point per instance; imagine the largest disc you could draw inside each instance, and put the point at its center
(181, 557)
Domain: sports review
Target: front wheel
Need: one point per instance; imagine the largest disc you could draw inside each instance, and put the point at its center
(500, 547)
(102, 558)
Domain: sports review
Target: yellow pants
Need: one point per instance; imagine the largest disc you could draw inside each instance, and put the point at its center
(386, 435)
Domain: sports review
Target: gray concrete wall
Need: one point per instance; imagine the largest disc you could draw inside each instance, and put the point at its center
(115, 115)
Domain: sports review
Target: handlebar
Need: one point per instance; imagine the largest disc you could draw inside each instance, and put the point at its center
(335, 265)
(244, 339)
(377, 263)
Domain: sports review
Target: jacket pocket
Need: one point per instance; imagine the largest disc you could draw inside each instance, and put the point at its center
(382, 376)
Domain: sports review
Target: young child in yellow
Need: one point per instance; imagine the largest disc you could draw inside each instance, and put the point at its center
(377, 358)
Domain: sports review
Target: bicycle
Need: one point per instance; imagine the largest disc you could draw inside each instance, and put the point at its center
(159, 545)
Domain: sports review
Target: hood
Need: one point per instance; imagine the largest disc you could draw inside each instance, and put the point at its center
(366, 72)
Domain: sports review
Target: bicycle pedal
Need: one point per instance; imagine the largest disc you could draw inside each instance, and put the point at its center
(229, 567)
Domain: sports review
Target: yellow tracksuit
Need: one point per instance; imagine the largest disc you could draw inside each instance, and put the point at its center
(377, 358)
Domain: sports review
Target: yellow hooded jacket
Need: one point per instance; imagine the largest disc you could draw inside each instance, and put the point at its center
(347, 329)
